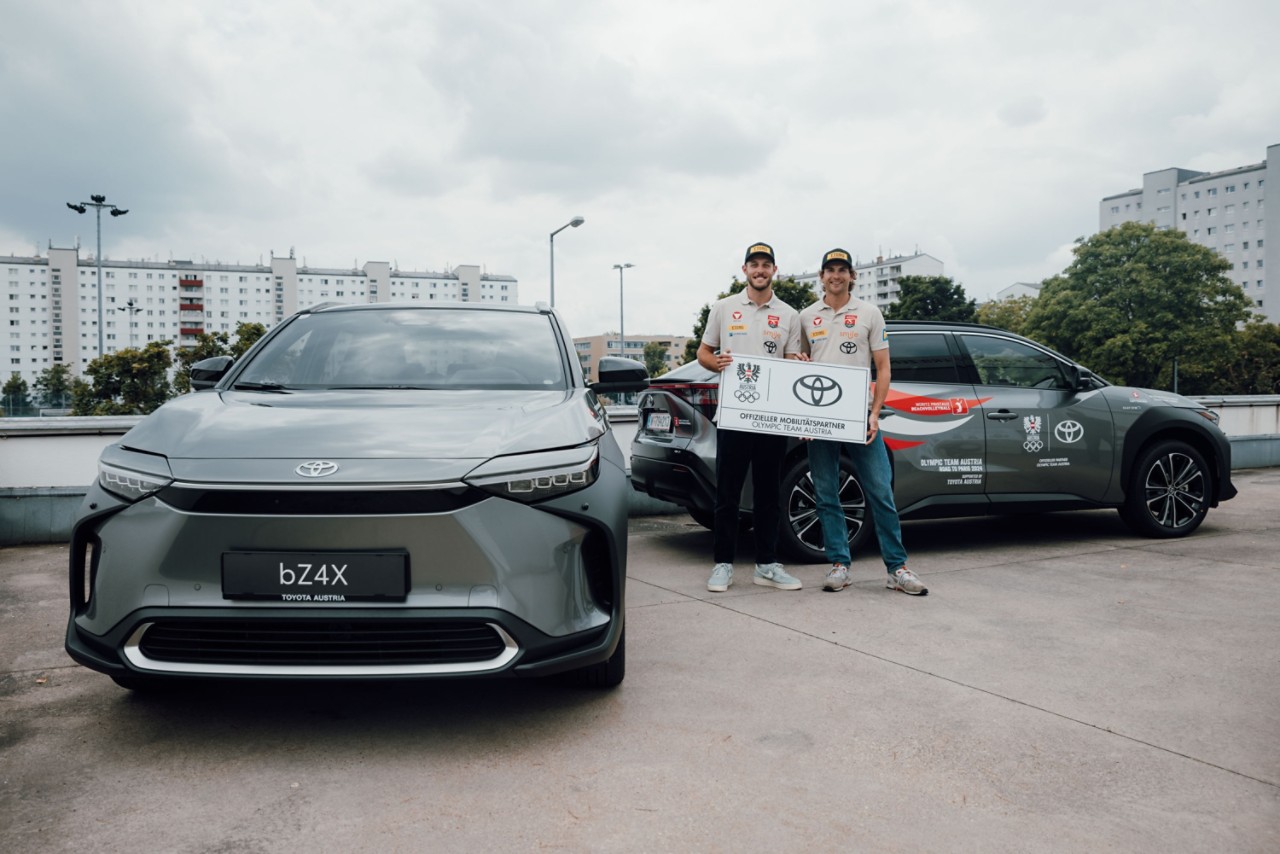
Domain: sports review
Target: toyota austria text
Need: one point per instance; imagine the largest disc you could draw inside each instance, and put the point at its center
(373, 491)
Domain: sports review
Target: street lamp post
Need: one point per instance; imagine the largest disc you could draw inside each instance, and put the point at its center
(133, 308)
(622, 311)
(575, 222)
(98, 203)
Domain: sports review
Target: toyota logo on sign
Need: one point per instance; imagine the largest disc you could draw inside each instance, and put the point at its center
(317, 468)
(817, 390)
(1068, 431)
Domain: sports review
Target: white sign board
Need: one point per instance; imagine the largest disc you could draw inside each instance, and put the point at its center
(765, 395)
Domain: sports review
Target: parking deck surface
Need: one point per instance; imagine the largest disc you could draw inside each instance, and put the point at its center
(1065, 686)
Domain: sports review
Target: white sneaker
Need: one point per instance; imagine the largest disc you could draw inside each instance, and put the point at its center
(721, 578)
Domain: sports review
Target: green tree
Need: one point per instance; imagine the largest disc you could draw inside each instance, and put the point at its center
(655, 358)
(127, 382)
(931, 298)
(53, 387)
(210, 344)
(1010, 314)
(1250, 365)
(16, 398)
(247, 334)
(798, 295)
(1134, 299)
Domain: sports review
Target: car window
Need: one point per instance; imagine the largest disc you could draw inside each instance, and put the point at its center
(921, 357)
(420, 348)
(1003, 361)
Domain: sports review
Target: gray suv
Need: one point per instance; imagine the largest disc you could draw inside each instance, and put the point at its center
(978, 421)
(372, 491)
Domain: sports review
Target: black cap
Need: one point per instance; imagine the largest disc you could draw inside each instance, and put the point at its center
(759, 249)
(837, 256)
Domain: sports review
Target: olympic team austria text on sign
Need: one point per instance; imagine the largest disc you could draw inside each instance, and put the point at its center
(765, 395)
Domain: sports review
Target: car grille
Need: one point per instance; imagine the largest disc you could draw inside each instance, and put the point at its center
(312, 642)
(320, 502)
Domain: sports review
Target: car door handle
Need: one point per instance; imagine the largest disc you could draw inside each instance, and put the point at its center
(1002, 415)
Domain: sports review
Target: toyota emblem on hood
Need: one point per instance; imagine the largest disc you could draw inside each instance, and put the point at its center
(317, 468)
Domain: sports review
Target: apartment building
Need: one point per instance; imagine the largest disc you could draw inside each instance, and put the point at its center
(1225, 211)
(52, 300)
(877, 281)
(592, 348)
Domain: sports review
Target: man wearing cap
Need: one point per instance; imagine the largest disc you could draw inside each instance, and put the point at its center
(840, 329)
(753, 322)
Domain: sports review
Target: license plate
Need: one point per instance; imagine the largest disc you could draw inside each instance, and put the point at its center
(659, 422)
(316, 577)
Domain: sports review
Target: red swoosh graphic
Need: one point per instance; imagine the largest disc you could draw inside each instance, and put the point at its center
(900, 444)
(931, 406)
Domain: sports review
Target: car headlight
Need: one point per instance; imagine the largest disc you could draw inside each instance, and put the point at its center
(536, 477)
(129, 485)
(1209, 415)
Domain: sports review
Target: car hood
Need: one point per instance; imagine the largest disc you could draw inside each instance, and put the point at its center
(1150, 397)
(410, 434)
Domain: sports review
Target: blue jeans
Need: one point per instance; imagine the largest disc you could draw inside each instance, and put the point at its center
(871, 462)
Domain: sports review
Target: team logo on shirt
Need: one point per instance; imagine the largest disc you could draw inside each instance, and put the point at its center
(817, 321)
(773, 321)
(851, 320)
(737, 315)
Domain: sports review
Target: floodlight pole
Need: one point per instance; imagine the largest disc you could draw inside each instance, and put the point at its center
(98, 203)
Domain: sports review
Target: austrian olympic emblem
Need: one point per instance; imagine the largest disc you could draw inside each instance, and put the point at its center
(773, 321)
(851, 320)
(817, 390)
(737, 315)
(316, 468)
(849, 347)
(1032, 424)
(748, 375)
(817, 321)
(1068, 431)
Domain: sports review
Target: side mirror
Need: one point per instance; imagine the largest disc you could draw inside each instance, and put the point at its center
(206, 373)
(620, 375)
(1081, 378)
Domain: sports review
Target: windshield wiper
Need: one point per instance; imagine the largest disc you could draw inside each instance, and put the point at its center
(250, 386)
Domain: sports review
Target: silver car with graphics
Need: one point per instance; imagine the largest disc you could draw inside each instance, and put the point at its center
(978, 421)
(373, 491)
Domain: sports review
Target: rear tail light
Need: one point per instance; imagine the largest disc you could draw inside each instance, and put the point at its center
(701, 396)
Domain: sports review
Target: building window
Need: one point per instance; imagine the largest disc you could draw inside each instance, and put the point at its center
(1212, 191)
(1212, 212)
(1231, 188)
(1162, 191)
(1163, 209)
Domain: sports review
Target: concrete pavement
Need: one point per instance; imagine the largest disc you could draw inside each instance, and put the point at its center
(1065, 686)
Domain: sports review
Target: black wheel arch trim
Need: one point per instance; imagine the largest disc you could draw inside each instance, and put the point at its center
(1161, 423)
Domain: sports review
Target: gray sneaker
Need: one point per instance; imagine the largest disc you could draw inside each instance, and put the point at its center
(906, 581)
(837, 578)
(773, 575)
(721, 578)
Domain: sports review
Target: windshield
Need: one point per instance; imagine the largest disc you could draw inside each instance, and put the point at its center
(410, 348)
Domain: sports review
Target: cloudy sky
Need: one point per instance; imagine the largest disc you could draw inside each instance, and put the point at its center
(432, 133)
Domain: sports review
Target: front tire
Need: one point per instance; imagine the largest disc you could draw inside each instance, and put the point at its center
(1169, 491)
(801, 532)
